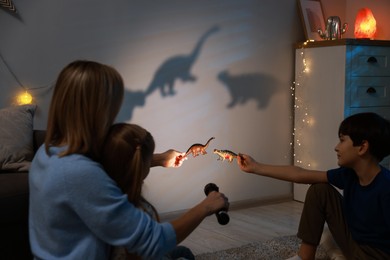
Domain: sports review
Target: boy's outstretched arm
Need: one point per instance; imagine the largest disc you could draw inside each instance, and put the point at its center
(286, 173)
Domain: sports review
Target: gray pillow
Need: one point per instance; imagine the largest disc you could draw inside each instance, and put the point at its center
(16, 138)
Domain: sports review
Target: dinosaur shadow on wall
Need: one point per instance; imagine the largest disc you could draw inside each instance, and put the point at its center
(243, 88)
(177, 67)
(174, 68)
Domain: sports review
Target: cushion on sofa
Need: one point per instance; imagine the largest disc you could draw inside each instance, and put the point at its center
(16, 138)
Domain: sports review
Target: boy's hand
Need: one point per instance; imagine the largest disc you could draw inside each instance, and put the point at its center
(246, 163)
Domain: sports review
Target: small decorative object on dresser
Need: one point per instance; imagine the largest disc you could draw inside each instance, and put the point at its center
(333, 30)
(312, 18)
(365, 24)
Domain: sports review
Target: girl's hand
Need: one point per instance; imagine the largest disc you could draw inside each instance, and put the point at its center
(170, 159)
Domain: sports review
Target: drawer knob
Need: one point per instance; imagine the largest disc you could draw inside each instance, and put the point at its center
(372, 60)
(371, 90)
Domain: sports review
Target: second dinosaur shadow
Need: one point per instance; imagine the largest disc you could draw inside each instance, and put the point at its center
(243, 88)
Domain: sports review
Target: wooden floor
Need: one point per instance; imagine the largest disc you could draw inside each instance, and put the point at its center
(246, 225)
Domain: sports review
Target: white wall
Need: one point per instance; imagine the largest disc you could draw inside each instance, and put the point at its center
(254, 46)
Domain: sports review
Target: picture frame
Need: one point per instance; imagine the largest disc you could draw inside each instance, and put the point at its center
(312, 18)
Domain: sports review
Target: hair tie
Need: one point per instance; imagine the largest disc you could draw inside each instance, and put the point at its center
(138, 147)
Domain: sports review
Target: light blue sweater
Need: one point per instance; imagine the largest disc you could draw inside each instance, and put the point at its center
(77, 211)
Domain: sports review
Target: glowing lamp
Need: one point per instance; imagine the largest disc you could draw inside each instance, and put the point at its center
(365, 24)
(24, 98)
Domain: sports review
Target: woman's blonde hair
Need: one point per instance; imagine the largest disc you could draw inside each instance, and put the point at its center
(127, 156)
(86, 99)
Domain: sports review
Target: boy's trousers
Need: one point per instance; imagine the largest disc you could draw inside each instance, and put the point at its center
(323, 203)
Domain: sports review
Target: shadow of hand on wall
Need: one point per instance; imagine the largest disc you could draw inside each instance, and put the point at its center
(177, 67)
(242, 88)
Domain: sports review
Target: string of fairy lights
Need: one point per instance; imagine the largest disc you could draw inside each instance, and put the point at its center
(301, 110)
(24, 97)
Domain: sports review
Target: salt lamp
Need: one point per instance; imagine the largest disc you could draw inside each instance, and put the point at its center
(365, 24)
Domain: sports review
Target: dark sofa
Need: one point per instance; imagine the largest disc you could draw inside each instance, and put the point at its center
(14, 241)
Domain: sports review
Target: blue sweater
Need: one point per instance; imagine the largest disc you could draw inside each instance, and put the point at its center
(366, 208)
(77, 212)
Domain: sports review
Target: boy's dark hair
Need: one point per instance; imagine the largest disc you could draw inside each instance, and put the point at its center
(368, 127)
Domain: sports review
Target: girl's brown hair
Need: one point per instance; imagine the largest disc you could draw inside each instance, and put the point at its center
(127, 156)
(86, 99)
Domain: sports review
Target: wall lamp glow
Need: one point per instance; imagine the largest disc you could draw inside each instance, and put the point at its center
(24, 98)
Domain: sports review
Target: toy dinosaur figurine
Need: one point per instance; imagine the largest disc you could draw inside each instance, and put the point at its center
(197, 149)
(225, 155)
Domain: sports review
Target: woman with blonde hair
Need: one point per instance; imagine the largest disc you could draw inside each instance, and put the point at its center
(76, 210)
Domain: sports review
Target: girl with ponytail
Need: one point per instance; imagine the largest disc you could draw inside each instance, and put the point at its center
(127, 158)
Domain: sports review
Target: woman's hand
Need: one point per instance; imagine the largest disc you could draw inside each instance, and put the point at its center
(214, 202)
(186, 223)
(170, 159)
